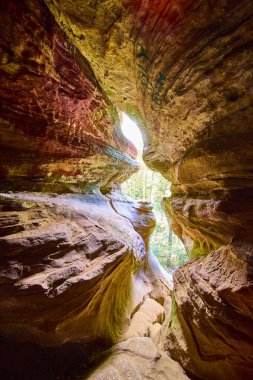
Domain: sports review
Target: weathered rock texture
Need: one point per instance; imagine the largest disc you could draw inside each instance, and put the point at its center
(73, 269)
(211, 328)
(139, 213)
(183, 69)
(66, 268)
(58, 130)
(136, 359)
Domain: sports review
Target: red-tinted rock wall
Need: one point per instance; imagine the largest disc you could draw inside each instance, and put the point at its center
(58, 130)
(183, 69)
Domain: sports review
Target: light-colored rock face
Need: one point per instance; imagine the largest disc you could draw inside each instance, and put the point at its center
(139, 213)
(66, 269)
(137, 359)
(76, 278)
(183, 69)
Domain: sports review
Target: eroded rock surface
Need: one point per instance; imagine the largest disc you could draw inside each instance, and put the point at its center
(212, 314)
(138, 212)
(136, 359)
(66, 267)
(59, 132)
(184, 71)
(191, 90)
(73, 269)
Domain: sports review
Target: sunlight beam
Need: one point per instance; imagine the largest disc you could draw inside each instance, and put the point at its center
(132, 132)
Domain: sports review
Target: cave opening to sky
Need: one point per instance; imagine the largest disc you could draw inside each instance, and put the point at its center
(152, 186)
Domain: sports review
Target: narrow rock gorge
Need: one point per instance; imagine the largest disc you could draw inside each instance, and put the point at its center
(81, 295)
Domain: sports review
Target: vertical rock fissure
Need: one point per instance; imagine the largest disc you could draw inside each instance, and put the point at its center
(183, 69)
(150, 188)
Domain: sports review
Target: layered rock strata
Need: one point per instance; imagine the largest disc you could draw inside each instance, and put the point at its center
(59, 132)
(211, 325)
(190, 86)
(183, 69)
(66, 268)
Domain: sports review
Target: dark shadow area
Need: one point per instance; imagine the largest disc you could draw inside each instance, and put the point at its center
(29, 361)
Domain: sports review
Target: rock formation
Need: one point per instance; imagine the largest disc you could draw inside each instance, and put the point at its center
(137, 358)
(73, 269)
(212, 303)
(62, 257)
(59, 132)
(183, 70)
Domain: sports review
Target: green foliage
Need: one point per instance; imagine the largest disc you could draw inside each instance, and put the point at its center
(148, 185)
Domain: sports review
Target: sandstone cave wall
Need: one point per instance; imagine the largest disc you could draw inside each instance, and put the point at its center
(59, 131)
(183, 69)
